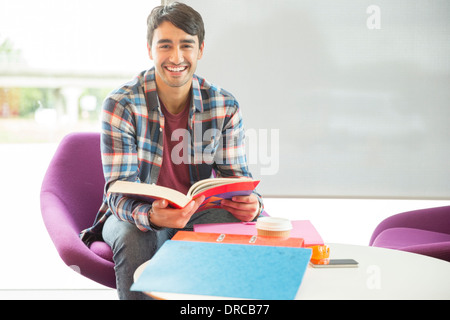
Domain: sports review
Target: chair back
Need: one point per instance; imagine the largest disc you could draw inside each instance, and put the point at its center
(75, 176)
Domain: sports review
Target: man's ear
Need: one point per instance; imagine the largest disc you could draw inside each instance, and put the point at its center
(149, 51)
(200, 51)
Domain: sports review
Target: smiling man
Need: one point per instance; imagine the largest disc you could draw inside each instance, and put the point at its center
(141, 122)
(175, 54)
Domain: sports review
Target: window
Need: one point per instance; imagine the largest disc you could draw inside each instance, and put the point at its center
(60, 58)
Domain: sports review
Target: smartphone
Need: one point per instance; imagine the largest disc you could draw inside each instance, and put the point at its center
(337, 263)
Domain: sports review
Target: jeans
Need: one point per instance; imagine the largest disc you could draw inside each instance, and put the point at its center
(132, 247)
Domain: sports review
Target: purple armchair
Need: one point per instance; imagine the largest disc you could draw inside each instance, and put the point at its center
(71, 195)
(425, 231)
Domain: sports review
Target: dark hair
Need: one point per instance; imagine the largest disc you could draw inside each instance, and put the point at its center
(180, 15)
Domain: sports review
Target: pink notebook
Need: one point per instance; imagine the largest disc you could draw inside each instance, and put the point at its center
(300, 229)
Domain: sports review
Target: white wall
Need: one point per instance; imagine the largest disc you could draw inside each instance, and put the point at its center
(358, 94)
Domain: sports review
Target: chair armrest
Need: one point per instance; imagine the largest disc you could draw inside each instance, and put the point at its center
(65, 236)
(431, 219)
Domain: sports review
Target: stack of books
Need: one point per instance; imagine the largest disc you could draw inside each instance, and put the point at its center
(231, 260)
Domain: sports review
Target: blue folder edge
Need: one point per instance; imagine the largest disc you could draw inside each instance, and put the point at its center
(225, 270)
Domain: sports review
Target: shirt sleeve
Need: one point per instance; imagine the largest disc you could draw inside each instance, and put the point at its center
(231, 158)
(120, 162)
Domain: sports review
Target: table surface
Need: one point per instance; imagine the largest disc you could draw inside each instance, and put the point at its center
(381, 274)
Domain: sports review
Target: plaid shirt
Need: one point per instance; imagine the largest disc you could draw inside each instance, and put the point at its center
(132, 143)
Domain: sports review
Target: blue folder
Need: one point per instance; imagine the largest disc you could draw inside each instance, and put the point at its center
(226, 270)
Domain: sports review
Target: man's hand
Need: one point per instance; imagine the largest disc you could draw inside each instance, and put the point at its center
(245, 208)
(164, 216)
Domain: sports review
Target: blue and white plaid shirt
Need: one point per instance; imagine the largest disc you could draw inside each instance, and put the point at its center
(132, 143)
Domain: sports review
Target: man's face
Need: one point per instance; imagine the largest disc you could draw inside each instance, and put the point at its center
(175, 54)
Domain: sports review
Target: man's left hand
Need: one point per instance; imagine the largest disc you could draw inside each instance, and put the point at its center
(245, 208)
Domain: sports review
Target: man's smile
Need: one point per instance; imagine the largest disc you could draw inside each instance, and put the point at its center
(176, 69)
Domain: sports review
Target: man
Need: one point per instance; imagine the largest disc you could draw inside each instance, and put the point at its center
(173, 128)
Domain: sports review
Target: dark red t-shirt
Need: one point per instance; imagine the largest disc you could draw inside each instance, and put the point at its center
(174, 171)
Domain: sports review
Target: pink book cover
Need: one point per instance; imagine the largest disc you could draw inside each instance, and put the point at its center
(300, 229)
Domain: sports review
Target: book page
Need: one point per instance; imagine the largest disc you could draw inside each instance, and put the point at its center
(203, 185)
(149, 192)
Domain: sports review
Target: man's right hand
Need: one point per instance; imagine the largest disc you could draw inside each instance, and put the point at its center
(164, 216)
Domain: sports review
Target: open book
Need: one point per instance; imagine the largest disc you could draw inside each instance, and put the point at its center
(214, 189)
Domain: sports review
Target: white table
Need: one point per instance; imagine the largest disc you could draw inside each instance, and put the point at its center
(381, 274)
